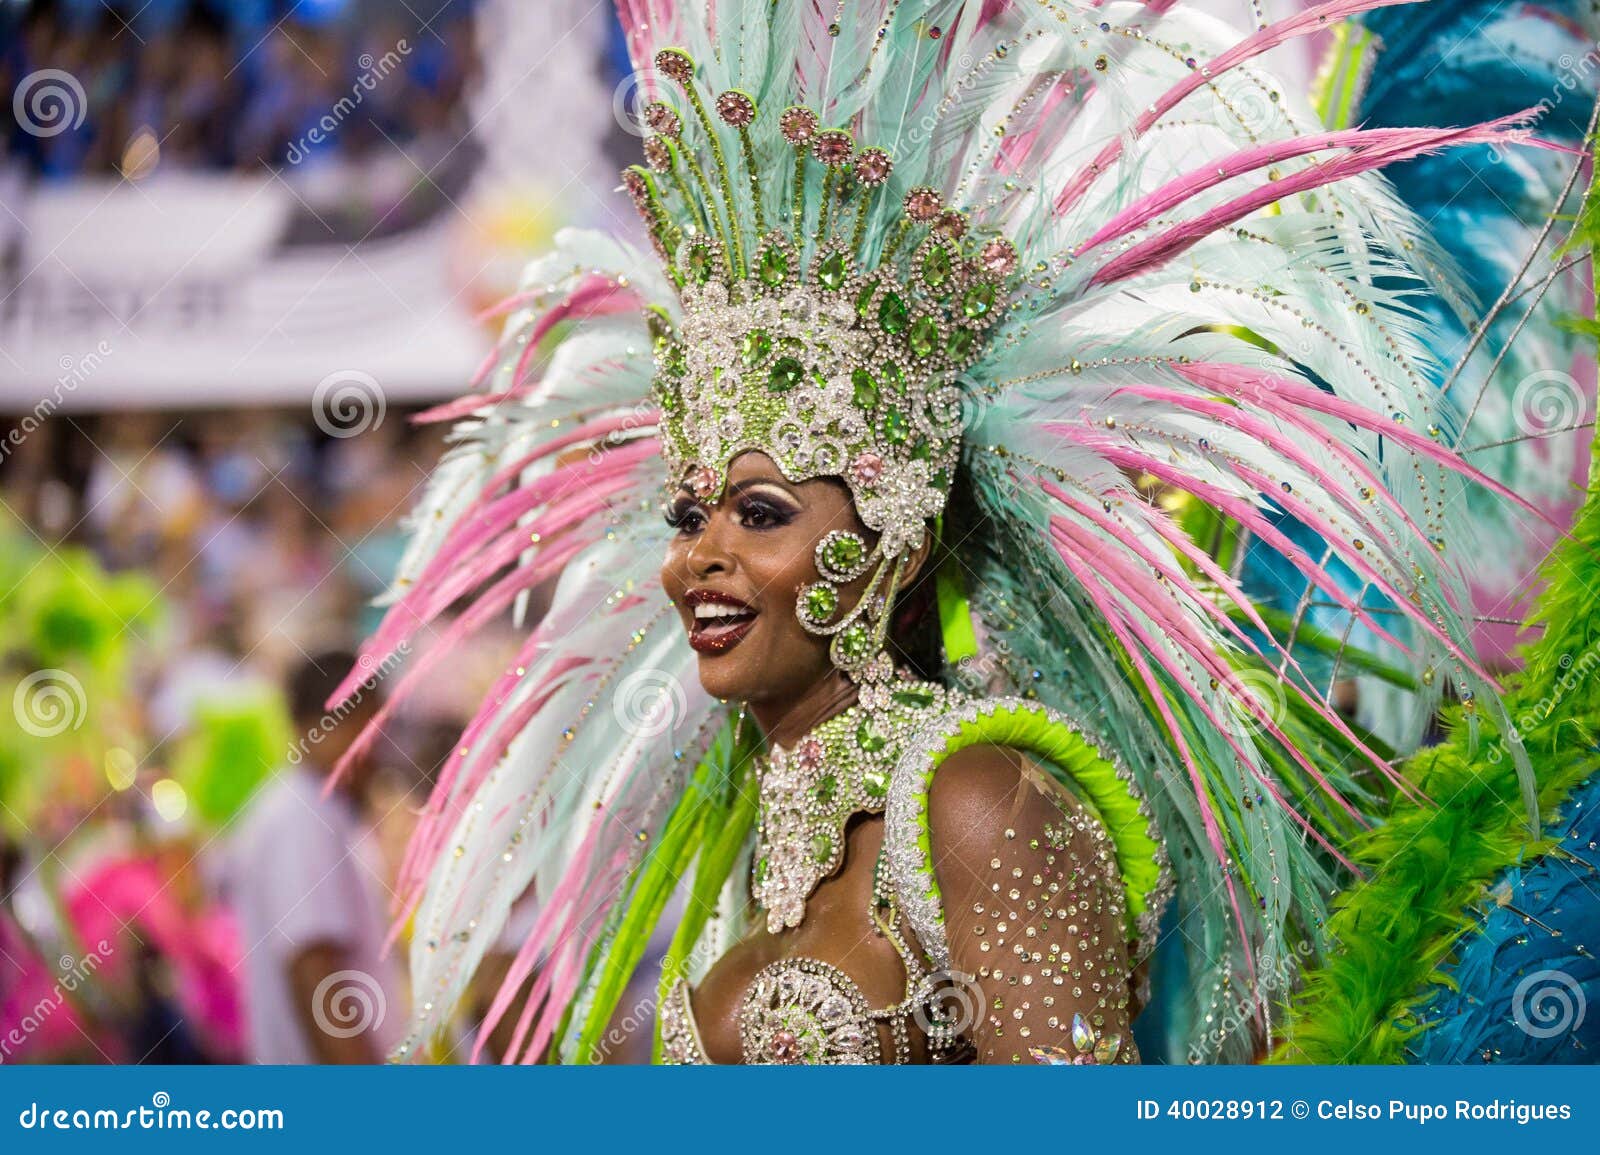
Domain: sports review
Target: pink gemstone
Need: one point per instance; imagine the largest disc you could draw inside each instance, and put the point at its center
(872, 166)
(656, 154)
(636, 187)
(784, 1046)
(676, 64)
(662, 119)
(797, 124)
(832, 147)
(703, 480)
(866, 468)
(923, 204)
(952, 224)
(999, 256)
(736, 109)
(809, 754)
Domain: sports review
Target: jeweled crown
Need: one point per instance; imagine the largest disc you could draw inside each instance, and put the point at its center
(830, 346)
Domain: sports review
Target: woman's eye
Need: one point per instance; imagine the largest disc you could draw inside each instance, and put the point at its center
(685, 519)
(761, 515)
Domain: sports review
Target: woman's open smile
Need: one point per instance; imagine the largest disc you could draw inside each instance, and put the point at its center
(721, 621)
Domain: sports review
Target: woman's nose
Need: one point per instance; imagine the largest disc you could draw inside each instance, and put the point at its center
(710, 554)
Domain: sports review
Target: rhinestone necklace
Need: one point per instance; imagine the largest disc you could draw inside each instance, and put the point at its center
(838, 769)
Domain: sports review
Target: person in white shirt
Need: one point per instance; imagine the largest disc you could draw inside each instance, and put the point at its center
(303, 877)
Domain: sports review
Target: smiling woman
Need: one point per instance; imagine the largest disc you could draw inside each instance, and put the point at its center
(966, 391)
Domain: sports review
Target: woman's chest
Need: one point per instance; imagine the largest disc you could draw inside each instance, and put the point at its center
(818, 992)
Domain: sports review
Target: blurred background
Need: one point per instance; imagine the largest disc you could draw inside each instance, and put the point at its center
(242, 244)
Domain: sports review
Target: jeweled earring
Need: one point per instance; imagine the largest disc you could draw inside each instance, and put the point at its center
(859, 636)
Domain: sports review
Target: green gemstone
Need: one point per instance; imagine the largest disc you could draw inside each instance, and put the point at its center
(773, 267)
(786, 374)
(875, 781)
(864, 302)
(893, 375)
(922, 451)
(700, 263)
(827, 789)
(821, 601)
(918, 698)
(757, 345)
(895, 426)
(675, 362)
(959, 344)
(761, 869)
(940, 479)
(936, 266)
(855, 643)
(924, 336)
(979, 300)
(842, 552)
(866, 389)
(833, 271)
(869, 739)
(822, 847)
(893, 314)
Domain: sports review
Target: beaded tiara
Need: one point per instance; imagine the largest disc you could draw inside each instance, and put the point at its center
(832, 348)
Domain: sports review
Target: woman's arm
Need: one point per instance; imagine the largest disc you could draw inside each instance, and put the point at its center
(1033, 910)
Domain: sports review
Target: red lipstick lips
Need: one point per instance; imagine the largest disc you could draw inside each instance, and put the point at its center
(721, 621)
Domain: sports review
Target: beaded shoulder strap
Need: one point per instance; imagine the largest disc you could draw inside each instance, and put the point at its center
(1105, 790)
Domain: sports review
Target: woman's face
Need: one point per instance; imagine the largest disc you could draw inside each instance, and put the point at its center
(735, 570)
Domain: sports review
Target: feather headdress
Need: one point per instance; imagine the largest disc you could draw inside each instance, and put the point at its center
(1208, 325)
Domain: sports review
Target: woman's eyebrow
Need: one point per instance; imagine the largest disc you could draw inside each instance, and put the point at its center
(737, 487)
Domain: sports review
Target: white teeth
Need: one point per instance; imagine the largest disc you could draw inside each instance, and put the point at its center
(713, 610)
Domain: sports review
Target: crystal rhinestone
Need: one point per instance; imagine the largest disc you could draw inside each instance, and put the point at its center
(756, 347)
(895, 427)
(873, 166)
(866, 392)
(736, 108)
(772, 266)
(979, 299)
(952, 224)
(821, 601)
(855, 643)
(936, 266)
(703, 480)
(785, 375)
(701, 263)
(869, 739)
(798, 124)
(832, 147)
(866, 468)
(875, 781)
(923, 203)
(924, 336)
(676, 63)
(821, 847)
(809, 753)
(999, 256)
(661, 118)
(784, 1047)
(841, 553)
(893, 314)
(833, 271)
(656, 154)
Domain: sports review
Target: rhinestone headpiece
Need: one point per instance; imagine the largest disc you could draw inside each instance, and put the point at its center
(794, 339)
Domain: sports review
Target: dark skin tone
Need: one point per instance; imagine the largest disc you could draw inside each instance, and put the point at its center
(755, 543)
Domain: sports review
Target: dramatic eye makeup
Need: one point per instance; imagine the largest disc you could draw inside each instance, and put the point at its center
(756, 505)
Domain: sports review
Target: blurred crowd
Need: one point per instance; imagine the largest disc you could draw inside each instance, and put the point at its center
(219, 85)
(263, 540)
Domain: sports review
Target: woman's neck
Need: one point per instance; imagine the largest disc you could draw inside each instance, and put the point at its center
(784, 724)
